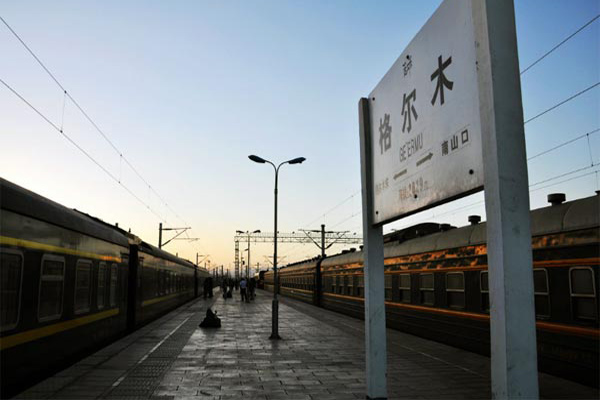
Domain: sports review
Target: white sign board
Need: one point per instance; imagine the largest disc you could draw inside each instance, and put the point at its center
(425, 119)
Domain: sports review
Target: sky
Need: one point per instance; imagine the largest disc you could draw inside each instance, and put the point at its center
(186, 90)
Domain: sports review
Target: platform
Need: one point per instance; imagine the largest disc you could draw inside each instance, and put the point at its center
(321, 356)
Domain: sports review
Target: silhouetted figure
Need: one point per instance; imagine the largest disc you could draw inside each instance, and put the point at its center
(207, 288)
(243, 287)
(211, 320)
(251, 288)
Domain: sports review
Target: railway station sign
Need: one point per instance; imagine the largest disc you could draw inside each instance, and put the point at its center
(425, 118)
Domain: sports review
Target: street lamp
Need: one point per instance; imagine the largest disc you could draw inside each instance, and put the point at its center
(275, 317)
(248, 249)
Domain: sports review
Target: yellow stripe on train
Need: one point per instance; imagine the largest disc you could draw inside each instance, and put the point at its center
(4, 240)
(34, 334)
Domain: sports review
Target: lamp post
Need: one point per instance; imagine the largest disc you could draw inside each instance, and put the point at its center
(248, 249)
(275, 316)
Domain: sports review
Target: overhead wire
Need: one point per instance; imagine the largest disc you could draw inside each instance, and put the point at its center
(333, 208)
(560, 44)
(91, 121)
(562, 102)
(564, 174)
(292, 249)
(566, 180)
(81, 149)
(588, 134)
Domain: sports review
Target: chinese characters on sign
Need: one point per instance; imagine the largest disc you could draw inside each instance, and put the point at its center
(408, 109)
(442, 81)
(385, 133)
(455, 143)
(431, 96)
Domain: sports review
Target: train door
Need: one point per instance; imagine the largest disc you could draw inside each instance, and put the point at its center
(132, 287)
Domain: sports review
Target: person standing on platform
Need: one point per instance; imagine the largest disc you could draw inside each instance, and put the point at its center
(243, 285)
(224, 288)
(207, 287)
(251, 287)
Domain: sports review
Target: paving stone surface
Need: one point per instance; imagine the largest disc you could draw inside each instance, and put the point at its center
(320, 356)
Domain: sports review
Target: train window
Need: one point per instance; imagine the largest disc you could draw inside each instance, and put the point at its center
(426, 288)
(361, 286)
(11, 276)
(455, 289)
(350, 291)
(167, 273)
(333, 280)
(52, 280)
(83, 278)
(388, 287)
(542, 295)
(157, 283)
(150, 284)
(114, 279)
(404, 288)
(101, 294)
(583, 293)
(485, 291)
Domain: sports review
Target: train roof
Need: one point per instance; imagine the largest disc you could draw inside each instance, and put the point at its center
(155, 251)
(573, 215)
(24, 202)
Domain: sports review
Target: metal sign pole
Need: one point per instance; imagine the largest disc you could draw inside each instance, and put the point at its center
(375, 335)
(512, 330)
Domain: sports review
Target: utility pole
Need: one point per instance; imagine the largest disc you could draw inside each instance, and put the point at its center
(181, 230)
(247, 235)
(332, 237)
(322, 240)
(237, 260)
(248, 265)
(198, 260)
(160, 235)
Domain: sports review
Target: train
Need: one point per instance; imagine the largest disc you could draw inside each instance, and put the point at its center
(71, 283)
(436, 285)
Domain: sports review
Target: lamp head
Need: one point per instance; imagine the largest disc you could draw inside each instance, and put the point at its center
(257, 159)
(298, 160)
(256, 231)
(239, 232)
